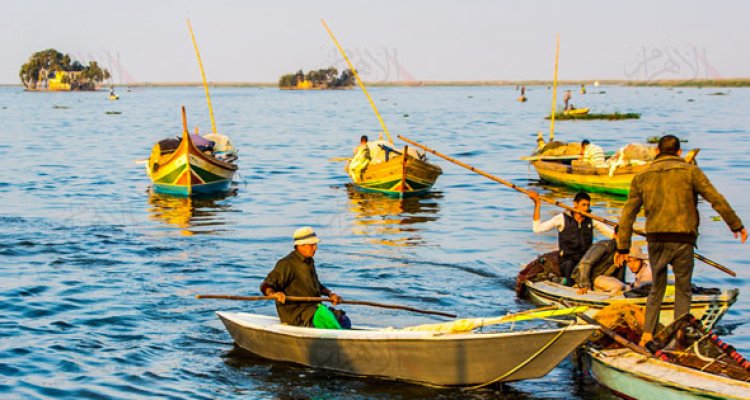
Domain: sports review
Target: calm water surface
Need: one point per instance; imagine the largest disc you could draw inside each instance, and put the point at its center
(98, 276)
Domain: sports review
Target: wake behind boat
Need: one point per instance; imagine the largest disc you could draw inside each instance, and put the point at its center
(425, 357)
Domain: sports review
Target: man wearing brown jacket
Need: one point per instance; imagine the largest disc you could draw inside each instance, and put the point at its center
(668, 191)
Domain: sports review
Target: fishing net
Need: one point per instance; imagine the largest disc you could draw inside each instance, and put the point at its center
(623, 318)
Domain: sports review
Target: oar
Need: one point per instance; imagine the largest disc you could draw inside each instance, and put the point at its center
(551, 201)
(469, 324)
(319, 299)
(339, 159)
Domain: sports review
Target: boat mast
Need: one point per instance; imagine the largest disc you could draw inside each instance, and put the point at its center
(203, 75)
(359, 81)
(554, 92)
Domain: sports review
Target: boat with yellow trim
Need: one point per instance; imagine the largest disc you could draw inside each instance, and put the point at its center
(186, 170)
(576, 111)
(386, 170)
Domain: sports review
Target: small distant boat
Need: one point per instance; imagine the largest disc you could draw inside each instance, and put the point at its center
(178, 167)
(114, 97)
(392, 172)
(576, 111)
(423, 357)
(522, 98)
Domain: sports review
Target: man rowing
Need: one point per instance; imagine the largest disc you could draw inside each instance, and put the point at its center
(295, 275)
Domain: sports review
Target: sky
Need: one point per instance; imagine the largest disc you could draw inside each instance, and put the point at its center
(388, 40)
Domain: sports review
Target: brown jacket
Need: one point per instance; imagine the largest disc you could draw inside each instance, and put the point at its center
(668, 191)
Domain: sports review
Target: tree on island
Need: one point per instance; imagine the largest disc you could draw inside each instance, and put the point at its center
(50, 66)
(327, 78)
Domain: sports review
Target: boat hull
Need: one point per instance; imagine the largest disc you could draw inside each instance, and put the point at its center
(587, 178)
(420, 357)
(395, 179)
(707, 308)
(634, 376)
(188, 172)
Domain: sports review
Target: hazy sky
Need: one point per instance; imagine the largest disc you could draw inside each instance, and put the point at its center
(257, 41)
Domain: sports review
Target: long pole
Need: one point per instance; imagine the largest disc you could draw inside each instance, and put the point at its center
(554, 92)
(203, 76)
(359, 82)
(552, 201)
(319, 299)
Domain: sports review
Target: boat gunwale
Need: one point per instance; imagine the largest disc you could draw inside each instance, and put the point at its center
(602, 357)
(298, 332)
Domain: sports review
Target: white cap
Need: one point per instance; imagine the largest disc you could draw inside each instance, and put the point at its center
(305, 235)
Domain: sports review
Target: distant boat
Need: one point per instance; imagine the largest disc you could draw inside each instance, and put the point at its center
(399, 173)
(422, 357)
(179, 167)
(576, 111)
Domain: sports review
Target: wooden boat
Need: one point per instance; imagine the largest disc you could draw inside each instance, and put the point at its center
(634, 376)
(187, 171)
(560, 170)
(704, 366)
(576, 111)
(421, 357)
(400, 174)
(522, 98)
(707, 308)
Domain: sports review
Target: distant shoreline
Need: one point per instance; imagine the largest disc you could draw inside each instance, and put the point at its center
(729, 82)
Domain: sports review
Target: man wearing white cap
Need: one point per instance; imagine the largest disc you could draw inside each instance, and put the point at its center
(295, 275)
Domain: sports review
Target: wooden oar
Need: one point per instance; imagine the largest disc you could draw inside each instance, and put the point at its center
(469, 324)
(320, 299)
(552, 201)
(339, 159)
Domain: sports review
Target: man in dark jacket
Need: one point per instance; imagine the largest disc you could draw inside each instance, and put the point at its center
(668, 191)
(295, 275)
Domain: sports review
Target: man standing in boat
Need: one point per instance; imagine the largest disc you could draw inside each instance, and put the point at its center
(295, 275)
(575, 232)
(668, 191)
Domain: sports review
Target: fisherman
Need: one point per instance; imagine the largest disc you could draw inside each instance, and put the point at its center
(360, 160)
(597, 268)
(295, 275)
(575, 232)
(591, 154)
(583, 89)
(566, 99)
(668, 191)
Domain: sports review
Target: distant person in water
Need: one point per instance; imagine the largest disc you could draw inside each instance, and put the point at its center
(566, 99)
(295, 275)
(575, 232)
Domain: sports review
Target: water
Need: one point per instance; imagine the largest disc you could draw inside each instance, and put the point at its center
(98, 277)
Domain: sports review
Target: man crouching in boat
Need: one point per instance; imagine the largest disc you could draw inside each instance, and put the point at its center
(295, 275)
(597, 269)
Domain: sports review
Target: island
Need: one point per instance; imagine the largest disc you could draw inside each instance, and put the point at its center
(321, 79)
(54, 71)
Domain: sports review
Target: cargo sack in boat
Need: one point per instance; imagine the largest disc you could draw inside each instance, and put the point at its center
(168, 145)
(324, 318)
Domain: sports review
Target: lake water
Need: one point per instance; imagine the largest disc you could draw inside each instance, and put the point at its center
(98, 276)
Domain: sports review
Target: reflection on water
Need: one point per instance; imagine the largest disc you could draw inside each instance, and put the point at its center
(193, 215)
(391, 221)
